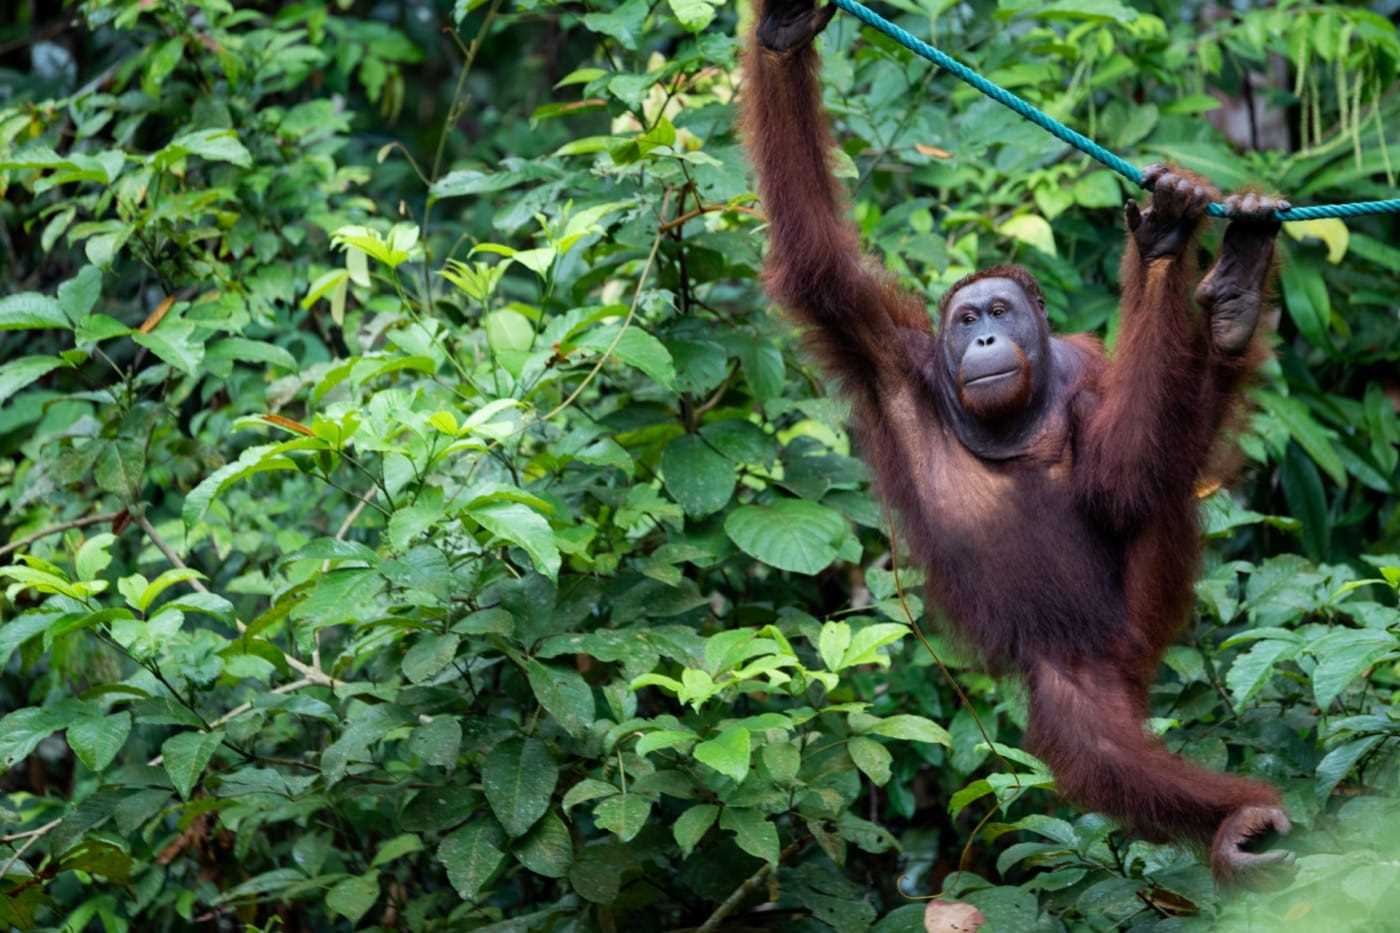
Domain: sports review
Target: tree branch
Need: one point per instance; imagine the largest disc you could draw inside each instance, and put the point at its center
(33, 836)
(56, 529)
(732, 902)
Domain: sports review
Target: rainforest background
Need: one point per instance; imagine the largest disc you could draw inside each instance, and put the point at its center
(414, 517)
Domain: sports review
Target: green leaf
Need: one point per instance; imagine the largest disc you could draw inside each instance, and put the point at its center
(664, 738)
(1031, 229)
(586, 790)
(694, 15)
(1316, 440)
(519, 777)
(692, 825)
(186, 754)
(764, 369)
(564, 694)
(397, 848)
(219, 145)
(1098, 189)
(1305, 296)
(872, 758)
(163, 582)
(353, 897)
(17, 374)
(623, 814)
(835, 638)
(697, 477)
(866, 644)
(93, 557)
(120, 469)
(1340, 761)
(1302, 490)
(753, 832)
(438, 742)
(547, 849)
(636, 348)
(79, 295)
(508, 330)
(783, 761)
(428, 657)
(31, 311)
(1343, 656)
(23, 730)
(174, 342)
(1251, 670)
(522, 526)
(913, 729)
(727, 753)
(790, 534)
(97, 740)
(471, 856)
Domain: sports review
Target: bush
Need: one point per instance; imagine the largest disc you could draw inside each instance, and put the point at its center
(415, 520)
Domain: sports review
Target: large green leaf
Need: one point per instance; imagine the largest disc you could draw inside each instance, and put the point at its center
(31, 311)
(1342, 657)
(563, 693)
(186, 754)
(636, 348)
(727, 753)
(790, 534)
(698, 477)
(692, 826)
(694, 15)
(353, 897)
(753, 831)
(17, 374)
(519, 777)
(96, 740)
(623, 814)
(471, 855)
(547, 849)
(23, 730)
(519, 524)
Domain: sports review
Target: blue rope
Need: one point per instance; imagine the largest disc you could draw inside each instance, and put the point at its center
(1078, 140)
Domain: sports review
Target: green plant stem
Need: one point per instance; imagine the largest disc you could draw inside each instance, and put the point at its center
(454, 112)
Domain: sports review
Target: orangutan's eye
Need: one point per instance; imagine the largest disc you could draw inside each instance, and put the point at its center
(969, 319)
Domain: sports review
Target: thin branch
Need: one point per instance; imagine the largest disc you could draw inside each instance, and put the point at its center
(326, 564)
(617, 338)
(454, 112)
(56, 529)
(241, 709)
(34, 836)
(732, 902)
(690, 215)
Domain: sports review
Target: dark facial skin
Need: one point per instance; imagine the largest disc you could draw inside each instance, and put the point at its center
(993, 347)
(996, 359)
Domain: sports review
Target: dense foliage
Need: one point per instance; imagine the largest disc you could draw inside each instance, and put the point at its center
(417, 518)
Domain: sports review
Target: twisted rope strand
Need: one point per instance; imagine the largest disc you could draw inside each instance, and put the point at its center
(1078, 140)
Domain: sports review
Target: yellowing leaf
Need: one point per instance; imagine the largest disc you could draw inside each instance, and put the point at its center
(1330, 230)
(1031, 229)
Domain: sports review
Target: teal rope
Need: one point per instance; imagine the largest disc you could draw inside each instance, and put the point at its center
(1078, 140)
